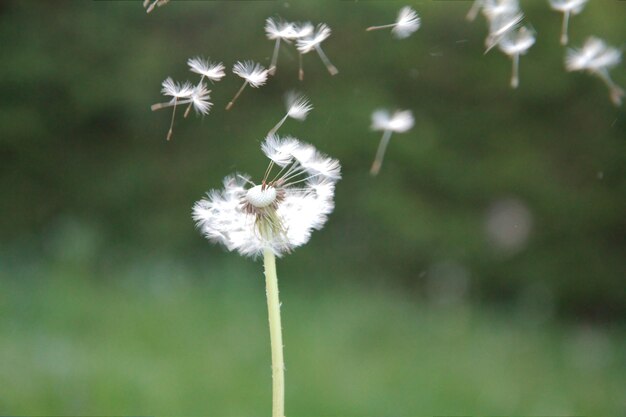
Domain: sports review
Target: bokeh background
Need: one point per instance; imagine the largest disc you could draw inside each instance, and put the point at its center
(481, 273)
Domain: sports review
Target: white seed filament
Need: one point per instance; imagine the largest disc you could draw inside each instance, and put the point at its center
(261, 197)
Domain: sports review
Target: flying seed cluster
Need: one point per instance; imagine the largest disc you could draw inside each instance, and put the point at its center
(504, 19)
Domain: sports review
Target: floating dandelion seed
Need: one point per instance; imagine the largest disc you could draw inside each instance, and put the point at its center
(499, 26)
(567, 7)
(185, 93)
(277, 30)
(314, 41)
(155, 3)
(407, 22)
(400, 121)
(272, 218)
(206, 69)
(298, 107)
(253, 74)
(597, 58)
(502, 17)
(302, 31)
(515, 44)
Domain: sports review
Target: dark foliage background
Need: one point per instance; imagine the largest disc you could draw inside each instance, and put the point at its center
(82, 153)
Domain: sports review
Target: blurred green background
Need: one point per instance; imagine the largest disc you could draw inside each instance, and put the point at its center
(481, 273)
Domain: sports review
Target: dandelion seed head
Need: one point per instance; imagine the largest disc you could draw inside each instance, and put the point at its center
(281, 212)
(206, 68)
(400, 121)
(260, 196)
(255, 74)
(408, 21)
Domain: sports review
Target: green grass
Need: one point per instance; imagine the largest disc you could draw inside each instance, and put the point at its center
(169, 343)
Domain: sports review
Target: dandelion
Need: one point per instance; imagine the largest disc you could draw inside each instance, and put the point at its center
(400, 121)
(206, 69)
(197, 96)
(252, 73)
(312, 42)
(302, 31)
(272, 218)
(597, 58)
(515, 44)
(567, 7)
(277, 30)
(155, 3)
(298, 107)
(407, 22)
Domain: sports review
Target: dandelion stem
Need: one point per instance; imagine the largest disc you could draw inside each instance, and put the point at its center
(276, 338)
(564, 37)
(300, 70)
(515, 73)
(232, 102)
(272, 69)
(380, 153)
(380, 27)
(329, 65)
(171, 131)
(278, 125)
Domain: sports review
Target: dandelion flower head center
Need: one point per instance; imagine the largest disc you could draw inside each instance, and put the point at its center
(261, 196)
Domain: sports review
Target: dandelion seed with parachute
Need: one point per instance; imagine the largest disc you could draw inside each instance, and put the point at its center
(407, 22)
(277, 30)
(302, 31)
(271, 218)
(253, 73)
(313, 42)
(207, 69)
(298, 107)
(597, 58)
(515, 44)
(568, 8)
(499, 26)
(400, 121)
(185, 93)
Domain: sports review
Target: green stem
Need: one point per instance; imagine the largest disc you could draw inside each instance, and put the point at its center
(276, 337)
